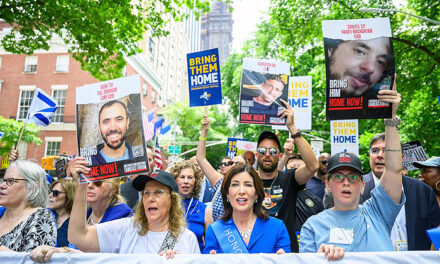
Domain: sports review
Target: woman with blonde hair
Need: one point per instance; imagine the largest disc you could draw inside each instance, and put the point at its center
(189, 181)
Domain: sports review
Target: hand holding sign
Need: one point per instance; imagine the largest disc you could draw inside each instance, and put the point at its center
(289, 147)
(205, 122)
(77, 167)
(391, 96)
(287, 113)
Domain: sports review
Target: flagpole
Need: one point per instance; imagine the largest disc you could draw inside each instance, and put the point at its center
(19, 138)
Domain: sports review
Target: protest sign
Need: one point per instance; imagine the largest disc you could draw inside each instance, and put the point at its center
(109, 128)
(204, 78)
(359, 62)
(300, 99)
(244, 145)
(231, 147)
(412, 151)
(344, 136)
(263, 84)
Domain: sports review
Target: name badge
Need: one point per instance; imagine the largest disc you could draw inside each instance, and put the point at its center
(341, 236)
(267, 201)
(402, 245)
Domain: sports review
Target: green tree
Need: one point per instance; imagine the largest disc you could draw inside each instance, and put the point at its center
(293, 34)
(12, 129)
(99, 33)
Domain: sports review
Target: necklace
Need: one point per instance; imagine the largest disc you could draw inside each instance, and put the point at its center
(268, 200)
(245, 234)
(91, 222)
(355, 231)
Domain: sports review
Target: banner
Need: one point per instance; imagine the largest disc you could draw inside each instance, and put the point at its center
(413, 151)
(204, 78)
(359, 60)
(344, 136)
(110, 128)
(390, 257)
(244, 145)
(263, 84)
(300, 99)
(231, 147)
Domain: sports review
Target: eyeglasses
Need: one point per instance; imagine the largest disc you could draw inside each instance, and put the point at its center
(97, 183)
(352, 178)
(11, 181)
(376, 151)
(55, 193)
(323, 162)
(229, 163)
(157, 194)
(272, 151)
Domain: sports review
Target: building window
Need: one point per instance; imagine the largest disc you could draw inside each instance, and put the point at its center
(30, 64)
(53, 148)
(62, 63)
(60, 96)
(144, 88)
(25, 101)
(151, 49)
(153, 96)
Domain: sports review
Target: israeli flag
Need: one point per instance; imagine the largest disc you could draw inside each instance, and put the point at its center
(42, 108)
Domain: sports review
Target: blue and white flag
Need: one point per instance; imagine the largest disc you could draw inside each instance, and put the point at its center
(165, 130)
(1, 134)
(42, 108)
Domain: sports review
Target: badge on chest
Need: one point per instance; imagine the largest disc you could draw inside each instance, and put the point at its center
(341, 236)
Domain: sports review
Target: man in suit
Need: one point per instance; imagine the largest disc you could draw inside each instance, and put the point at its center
(130, 194)
(421, 210)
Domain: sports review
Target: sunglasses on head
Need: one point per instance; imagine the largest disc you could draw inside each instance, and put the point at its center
(228, 163)
(352, 178)
(55, 193)
(272, 151)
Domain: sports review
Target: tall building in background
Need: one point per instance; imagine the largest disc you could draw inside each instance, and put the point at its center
(192, 30)
(217, 30)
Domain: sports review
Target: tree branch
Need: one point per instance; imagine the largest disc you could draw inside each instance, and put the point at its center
(419, 47)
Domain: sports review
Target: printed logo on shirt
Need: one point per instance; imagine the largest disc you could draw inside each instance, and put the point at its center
(273, 198)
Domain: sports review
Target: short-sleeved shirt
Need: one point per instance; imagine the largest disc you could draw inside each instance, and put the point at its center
(37, 229)
(371, 224)
(121, 236)
(280, 201)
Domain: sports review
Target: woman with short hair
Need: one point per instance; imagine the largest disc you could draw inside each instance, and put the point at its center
(25, 224)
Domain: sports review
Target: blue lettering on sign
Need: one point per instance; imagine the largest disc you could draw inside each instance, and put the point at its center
(344, 139)
(300, 102)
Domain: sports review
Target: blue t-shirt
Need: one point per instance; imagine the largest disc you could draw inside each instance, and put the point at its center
(371, 224)
(108, 159)
(195, 218)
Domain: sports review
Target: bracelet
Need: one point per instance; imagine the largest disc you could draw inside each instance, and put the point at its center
(392, 150)
(296, 135)
(67, 249)
(392, 122)
(202, 138)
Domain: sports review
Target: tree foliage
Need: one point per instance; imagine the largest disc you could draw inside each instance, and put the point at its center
(12, 129)
(293, 34)
(99, 33)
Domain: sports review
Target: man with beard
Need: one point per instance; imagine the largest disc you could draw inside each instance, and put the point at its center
(360, 64)
(281, 188)
(113, 125)
(317, 183)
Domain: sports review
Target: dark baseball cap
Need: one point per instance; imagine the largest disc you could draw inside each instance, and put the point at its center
(344, 159)
(269, 135)
(158, 175)
(433, 162)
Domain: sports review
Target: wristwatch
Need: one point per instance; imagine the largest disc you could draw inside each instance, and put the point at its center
(296, 135)
(392, 121)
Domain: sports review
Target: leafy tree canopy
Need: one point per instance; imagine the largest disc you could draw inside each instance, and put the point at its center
(12, 129)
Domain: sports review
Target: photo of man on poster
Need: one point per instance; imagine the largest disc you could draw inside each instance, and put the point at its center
(113, 126)
(360, 67)
(260, 92)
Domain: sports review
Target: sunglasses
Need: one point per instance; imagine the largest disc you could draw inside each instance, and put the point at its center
(323, 162)
(55, 193)
(97, 183)
(272, 151)
(352, 178)
(226, 164)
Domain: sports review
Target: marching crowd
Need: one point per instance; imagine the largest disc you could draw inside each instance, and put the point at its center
(193, 208)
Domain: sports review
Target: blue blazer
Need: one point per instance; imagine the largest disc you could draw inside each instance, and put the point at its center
(267, 237)
(421, 207)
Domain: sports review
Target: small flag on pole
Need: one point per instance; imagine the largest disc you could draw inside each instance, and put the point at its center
(148, 121)
(42, 108)
(165, 130)
(157, 155)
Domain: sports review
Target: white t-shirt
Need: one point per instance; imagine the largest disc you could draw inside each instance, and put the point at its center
(120, 236)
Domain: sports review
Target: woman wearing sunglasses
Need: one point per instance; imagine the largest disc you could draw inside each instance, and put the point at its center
(25, 223)
(189, 180)
(245, 226)
(348, 226)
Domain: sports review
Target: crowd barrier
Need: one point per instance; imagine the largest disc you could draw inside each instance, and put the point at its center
(417, 257)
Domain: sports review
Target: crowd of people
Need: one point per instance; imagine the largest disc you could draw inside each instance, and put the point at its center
(193, 208)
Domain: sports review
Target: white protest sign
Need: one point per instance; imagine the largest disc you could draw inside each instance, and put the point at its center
(344, 136)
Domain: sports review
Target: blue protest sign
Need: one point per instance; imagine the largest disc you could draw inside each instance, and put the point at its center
(204, 78)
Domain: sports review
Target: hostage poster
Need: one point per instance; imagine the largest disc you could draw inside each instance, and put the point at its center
(263, 84)
(359, 62)
(109, 128)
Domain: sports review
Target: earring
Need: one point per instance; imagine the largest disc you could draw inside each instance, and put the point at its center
(227, 200)
(256, 201)
(436, 186)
